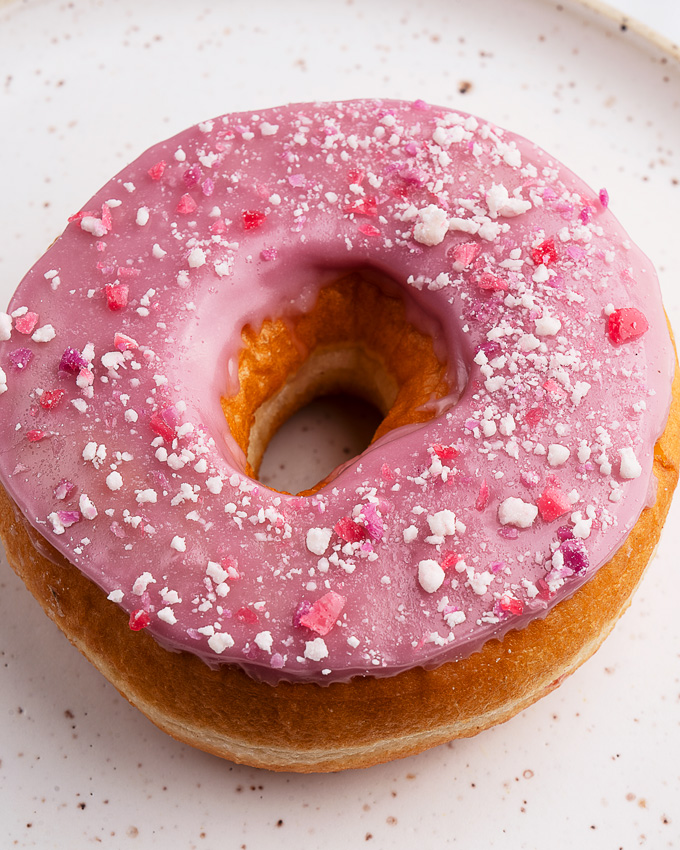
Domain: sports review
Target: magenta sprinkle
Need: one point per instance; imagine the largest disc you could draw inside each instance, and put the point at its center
(268, 254)
(374, 524)
(207, 187)
(304, 607)
(604, 198)
(192, 176)
(575, 555)
(564, 532)
(508, 533)
(20, 358)
(72, 361)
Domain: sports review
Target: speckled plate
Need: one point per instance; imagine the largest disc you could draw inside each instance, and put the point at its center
(84, 87)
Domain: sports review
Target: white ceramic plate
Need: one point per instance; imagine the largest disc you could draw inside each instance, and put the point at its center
(84, 87)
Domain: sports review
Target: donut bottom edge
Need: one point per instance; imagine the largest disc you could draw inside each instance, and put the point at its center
(308, 728)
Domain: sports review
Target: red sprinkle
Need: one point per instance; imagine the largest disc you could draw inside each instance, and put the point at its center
(186, 205)
(450, 561)
(252, 219)
(545, 253)
(128, 271)
(156, 171)
(534, 416)
(445, 452)
(139, 620)
(350, 531)
(245, 615)
(123, 342)
(369, 230)
(35, 436)
(117, 295)
(466, 253)
(51, 398)
(79, 216)
(626, 325)
(552, 504)
(367, 206)
(511, 604)
(160, 426)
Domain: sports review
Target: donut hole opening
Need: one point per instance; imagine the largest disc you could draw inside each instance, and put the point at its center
(320, 437)
(357, 340)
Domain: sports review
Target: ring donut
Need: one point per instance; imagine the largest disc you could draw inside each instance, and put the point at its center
(482, 546)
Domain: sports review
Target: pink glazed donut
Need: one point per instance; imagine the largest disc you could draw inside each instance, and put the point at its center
(248, 263)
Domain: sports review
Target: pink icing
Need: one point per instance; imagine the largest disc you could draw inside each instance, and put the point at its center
(123, 337)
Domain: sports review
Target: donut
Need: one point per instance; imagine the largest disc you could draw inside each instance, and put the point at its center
(474, 555)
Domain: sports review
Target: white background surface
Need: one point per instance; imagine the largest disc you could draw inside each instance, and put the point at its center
(84, 87)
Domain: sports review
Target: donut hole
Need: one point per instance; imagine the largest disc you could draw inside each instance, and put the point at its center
(320, 437)
(356, 340)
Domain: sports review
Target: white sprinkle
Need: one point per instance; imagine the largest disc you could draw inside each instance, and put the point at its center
(93, 225)
(547, 325)
(178, 543)
(5, 326)
(114, 481)
(220, 641)
(443, 523)
(141, 583)
(115, 596)
(142, 218)
(630, 467)
(265, 641)
(557, 454)
(131, 415)
(316, 649)
(432, 226)
(410, 534)
(268, 129)
(430, 575)
(149, 495)
(216, 572)
(196, 258)
(214, 484)
(167, 615)
(516, 512)
(318, 540)
(158, 252)
(44, 334)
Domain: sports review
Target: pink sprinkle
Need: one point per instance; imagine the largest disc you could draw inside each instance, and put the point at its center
(298, 181)
(544, 592)
(552, 504)
(207, 187)
(374, 524)
(268, 254)
(117, 295)
(626, 325)
(508, 532)
(490, 283)
(387, 473)
(483, 497)
(350, 531)
(123, 342)
(369, 230)
(323, 614)
(218, 226)
(421, 105)
(303, 608)
(465, 254)
(51, 398)
(81, 215)
(63, 489)
(252, 219)
(366, 206)
(186, 205)
(68, 518)
(604, 198)
(107, 220)
(231, 566)
(156, 171)
(128, 271)
(25, 324)
(139, 620)
(20, 358)
(277, 661)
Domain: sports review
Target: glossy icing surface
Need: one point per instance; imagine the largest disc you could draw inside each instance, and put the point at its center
(121, 340)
